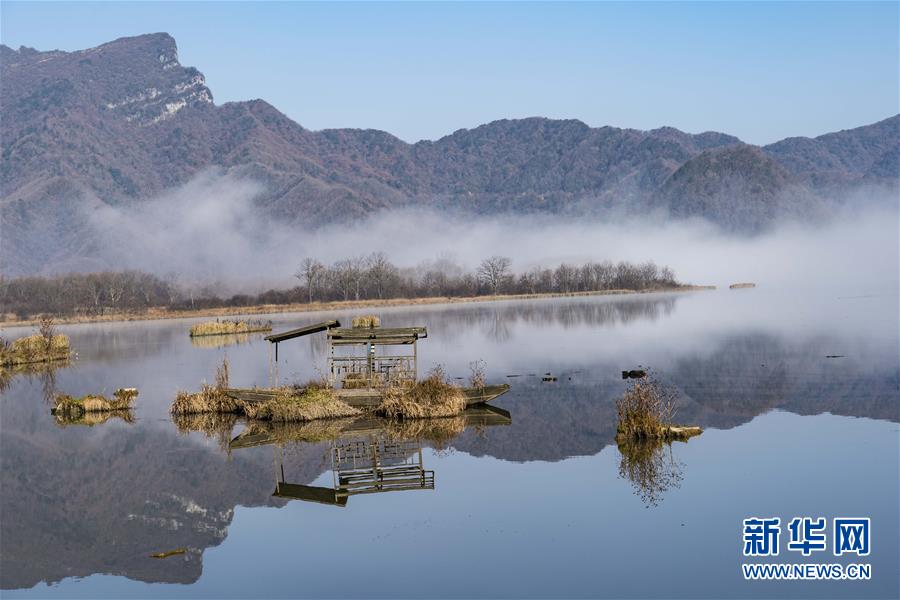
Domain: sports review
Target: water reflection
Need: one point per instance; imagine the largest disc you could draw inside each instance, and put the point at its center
(499, 319)
(84, 500)
(368, 465)
(66, 419)
(651, 467)
(221, 341)
(45, 373)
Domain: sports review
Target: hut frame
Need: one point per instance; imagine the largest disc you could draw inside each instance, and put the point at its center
(354, 359)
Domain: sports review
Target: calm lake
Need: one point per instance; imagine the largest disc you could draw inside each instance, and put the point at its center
(798, 395)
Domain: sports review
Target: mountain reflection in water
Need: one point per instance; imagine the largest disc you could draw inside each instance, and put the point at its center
(84, 500)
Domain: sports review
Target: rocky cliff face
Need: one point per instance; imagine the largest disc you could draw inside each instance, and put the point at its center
(125, 121)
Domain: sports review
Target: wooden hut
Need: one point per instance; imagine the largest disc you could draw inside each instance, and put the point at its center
(363, 361)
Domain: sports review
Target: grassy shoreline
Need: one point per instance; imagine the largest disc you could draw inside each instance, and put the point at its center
(155, 314)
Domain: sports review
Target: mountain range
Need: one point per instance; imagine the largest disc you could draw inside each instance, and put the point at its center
(124, 122)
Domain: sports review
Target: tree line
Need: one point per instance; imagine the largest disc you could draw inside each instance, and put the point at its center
(368, 277)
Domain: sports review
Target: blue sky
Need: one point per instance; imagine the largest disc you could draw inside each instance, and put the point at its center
(761, 71)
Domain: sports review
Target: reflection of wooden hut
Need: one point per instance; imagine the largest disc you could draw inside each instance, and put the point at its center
(364, 466)
(369, 455)
(362, 361)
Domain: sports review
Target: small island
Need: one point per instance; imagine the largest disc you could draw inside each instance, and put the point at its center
(229, 327)
(43, 347)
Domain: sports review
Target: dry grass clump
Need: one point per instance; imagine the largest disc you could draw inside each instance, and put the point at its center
(315, 400)
(34, 349)
(292, 405)
(646, 410)
(355, 381)
(77, 407)
(226, 326)
(431, 397)
(366, 322)
(210, 398)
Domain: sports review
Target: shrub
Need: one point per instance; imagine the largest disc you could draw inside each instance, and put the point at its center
(646, 409)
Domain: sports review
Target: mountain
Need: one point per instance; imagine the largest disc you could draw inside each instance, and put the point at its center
(125, 121)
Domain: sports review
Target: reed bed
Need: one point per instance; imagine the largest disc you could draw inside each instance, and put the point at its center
(34, 349)
(229, 326)
(431, 397)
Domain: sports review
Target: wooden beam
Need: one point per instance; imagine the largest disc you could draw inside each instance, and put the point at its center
(300, 331)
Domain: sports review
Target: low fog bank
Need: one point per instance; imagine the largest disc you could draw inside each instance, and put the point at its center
(210, 230)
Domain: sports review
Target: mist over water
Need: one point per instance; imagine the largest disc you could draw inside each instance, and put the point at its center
(211, 230)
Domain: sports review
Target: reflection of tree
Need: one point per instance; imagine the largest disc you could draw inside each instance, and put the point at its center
(651, 468)
(499, 330)
(499, 318)
(45, 372)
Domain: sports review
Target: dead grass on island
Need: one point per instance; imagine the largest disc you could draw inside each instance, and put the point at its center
(429, 398)
(432, 398)
(288, 404)
(91, 409)
(229, 326)
(34, 349)
(307, 404)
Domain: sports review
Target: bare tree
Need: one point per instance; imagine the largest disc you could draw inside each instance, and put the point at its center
(493, 271)
(343, 274)
(380, 273)
(311, 272)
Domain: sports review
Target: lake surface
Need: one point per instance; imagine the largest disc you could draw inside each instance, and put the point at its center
(542, 504)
